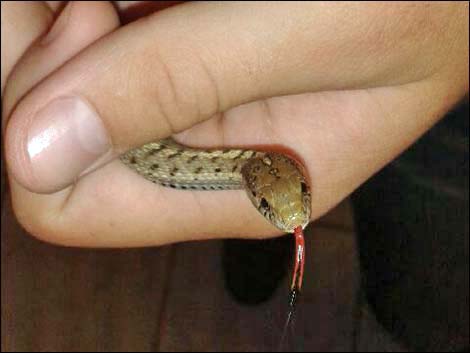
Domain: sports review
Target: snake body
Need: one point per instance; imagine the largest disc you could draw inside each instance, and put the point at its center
(274, 182)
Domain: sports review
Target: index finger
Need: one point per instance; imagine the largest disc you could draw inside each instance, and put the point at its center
(167, 72)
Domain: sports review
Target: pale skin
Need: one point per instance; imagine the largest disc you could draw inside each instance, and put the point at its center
(347, 86)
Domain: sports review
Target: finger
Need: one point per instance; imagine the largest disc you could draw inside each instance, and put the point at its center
(164, 74)
(33, 19)
(84, 23)
(22, 23)
(80, 24)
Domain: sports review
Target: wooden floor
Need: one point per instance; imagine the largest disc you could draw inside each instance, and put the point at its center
(173, 298)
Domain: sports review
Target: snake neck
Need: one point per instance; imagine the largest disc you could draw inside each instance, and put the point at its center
(170, 164)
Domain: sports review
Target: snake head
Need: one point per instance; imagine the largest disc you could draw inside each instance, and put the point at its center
(278, 188)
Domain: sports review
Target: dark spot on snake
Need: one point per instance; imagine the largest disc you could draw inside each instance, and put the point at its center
(156, 150)
(172, 186)
(198, 170)
(253, 192)
(184, 187)
(303, 187)
(192, 159)
(264, 204)
(132, 160)
(234, 168)
(217, 170)
(174, 155)
(154, 166)
(215, 158)
(239, 155)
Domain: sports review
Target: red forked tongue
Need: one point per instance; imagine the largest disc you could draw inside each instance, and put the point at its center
(297, 277)
(298, 273)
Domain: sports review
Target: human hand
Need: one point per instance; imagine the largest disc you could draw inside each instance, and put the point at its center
(346, 86)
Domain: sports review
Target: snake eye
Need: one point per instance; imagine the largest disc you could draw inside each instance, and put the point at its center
(303, 187)
(264, 204)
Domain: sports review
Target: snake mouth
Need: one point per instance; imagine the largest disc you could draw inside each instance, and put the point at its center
(299, 219)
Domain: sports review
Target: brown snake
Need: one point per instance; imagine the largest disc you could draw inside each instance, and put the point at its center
(273, 182)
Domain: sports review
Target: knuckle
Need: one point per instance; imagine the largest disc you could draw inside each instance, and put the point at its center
(183, 90)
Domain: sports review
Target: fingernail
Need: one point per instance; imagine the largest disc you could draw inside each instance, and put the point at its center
(59, 25)
(65, 138)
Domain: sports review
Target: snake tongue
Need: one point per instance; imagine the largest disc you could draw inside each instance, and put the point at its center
(298, 271)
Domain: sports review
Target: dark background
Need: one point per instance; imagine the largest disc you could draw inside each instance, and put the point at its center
(412, 228)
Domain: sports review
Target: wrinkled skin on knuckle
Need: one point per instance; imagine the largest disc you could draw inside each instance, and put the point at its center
(171, 93)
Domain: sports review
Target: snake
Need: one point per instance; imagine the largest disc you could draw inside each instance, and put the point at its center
(274, 182)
